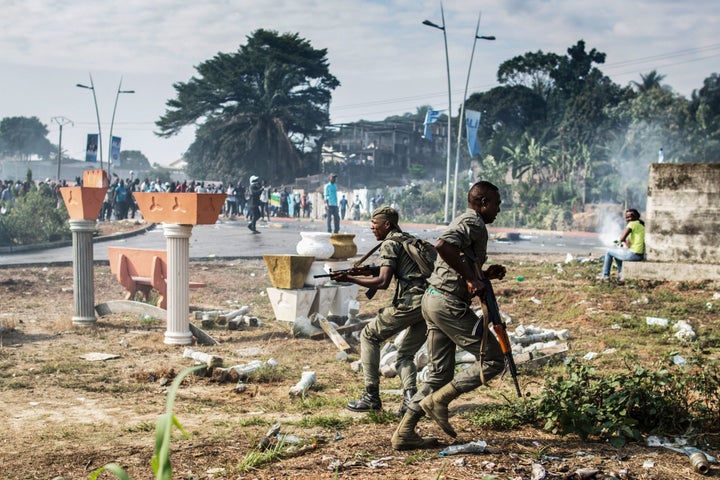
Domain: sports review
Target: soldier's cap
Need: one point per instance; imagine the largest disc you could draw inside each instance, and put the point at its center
(387, 214)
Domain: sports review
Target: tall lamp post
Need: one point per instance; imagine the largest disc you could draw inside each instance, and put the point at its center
(112, 123)
(97, 114)
(449, 128)
(61, 121)
(462, 110)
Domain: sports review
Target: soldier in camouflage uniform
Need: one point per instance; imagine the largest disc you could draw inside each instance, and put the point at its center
(403, 313)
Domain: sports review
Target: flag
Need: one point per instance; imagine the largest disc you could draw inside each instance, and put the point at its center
(430, 117)
(91, 148)
(115, 150)
(472, 121)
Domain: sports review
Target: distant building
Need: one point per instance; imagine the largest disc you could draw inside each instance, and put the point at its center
(365, 150)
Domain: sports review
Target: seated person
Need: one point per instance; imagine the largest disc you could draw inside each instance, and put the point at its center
(631, 247)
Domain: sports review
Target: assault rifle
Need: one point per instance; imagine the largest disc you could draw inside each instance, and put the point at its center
(361, 270)
(491, 313)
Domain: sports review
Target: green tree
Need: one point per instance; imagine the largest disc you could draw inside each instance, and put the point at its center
(254, 108)
(532, 70)
(649, 81)
(704, 112)
(24, 136)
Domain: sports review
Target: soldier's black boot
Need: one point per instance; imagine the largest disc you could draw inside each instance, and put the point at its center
(407, 399)
(370, 401)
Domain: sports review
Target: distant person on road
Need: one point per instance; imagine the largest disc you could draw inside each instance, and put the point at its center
(331, 204)
(356, 208)
(343, 207)
(631, 246)
(402, 313)
(254, 203)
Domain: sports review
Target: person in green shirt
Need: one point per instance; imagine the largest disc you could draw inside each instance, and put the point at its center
(632, 245)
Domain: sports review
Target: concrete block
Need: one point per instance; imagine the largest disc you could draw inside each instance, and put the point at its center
(288, 304)
(670, 271)
(345, 293)
(324, 299)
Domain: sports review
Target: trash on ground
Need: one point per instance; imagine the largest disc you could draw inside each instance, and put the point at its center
(479, 446)
(97, 356)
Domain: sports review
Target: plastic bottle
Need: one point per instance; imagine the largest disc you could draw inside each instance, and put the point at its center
(700, 463)
(472, 447)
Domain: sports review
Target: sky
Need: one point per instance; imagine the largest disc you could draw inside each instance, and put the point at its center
(387, 61)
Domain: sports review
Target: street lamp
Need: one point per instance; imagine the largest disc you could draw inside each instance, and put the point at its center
(112, 122)
(462, 109)
(449, 128)
(97, 113)
(61, 121)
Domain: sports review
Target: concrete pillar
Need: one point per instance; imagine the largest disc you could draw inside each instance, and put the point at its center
(83, 280)
(178, 284)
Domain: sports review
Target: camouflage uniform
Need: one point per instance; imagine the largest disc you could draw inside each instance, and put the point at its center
(403, 313)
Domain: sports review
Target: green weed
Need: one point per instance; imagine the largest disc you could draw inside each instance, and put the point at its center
(160, 462)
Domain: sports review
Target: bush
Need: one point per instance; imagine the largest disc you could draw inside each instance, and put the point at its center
(669, 399)
(36, 217)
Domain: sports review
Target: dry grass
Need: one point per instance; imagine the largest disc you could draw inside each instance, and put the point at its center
(64, 416)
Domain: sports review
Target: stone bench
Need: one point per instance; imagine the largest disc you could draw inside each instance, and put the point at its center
(142, 270)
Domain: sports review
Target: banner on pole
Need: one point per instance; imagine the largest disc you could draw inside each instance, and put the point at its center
(91, 147)
(115, 150)
(430, 117)
(472, 122)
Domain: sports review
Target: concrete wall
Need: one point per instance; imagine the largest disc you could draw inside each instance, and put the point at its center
(683, 213)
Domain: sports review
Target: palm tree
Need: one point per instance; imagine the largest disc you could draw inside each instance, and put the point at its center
(649, 81)
(253, 108)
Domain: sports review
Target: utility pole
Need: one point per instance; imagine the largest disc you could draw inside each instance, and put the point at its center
(61, 121)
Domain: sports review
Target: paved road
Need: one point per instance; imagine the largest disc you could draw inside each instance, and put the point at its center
(232, 239)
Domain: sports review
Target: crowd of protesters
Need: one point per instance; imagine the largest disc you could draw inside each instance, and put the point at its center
(119, 202)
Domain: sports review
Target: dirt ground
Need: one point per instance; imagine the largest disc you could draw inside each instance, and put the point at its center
(64, 416)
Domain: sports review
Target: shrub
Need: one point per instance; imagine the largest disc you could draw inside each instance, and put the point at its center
(35, 218)
(668, 399)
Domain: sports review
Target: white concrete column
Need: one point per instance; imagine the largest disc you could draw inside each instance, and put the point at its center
(178, 289)
(83, 280)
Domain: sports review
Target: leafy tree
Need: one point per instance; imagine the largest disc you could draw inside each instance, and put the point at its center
(704, 111)
(24, 136)
(532, 70)
(508, 112)
(254, 108)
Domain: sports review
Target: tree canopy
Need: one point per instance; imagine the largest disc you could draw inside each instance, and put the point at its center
(254, 109)
(24, 136)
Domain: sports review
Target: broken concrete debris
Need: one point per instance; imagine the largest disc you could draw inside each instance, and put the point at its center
(529, 343)
(233, 319)
(203, 358)
(307, 380)
(235, 373)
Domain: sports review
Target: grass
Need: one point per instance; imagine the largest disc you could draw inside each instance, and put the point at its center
(230, 424)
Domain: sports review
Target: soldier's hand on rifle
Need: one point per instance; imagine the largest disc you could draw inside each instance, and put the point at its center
(475, 287)
(341, 276)
(495, 272)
